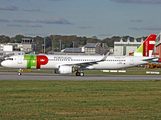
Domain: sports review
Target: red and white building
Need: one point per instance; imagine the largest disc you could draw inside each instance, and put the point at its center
(157, 49)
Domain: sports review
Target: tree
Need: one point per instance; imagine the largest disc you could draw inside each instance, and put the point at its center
(40, 42)
(18, 38)
(48, 42)
(82, 40)
(5, 39)
(90, 40)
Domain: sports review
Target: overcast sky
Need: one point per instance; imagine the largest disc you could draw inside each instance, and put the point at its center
(101, 18)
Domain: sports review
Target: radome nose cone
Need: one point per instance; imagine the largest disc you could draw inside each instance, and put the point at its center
(3, 64)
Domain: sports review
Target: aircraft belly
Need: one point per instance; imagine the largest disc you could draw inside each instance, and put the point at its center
(50, 65)
(110, 65)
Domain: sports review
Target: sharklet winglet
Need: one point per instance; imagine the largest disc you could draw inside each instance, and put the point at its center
(104, 58)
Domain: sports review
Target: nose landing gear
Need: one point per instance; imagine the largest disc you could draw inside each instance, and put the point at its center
(19, 72)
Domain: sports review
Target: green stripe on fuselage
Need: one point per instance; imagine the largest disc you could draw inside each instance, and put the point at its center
(31, 60)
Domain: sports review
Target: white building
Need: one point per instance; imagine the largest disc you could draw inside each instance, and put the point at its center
(126, 47)
(95, 48)
(9, 49)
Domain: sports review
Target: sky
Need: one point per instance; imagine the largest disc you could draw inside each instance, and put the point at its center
(101, 18)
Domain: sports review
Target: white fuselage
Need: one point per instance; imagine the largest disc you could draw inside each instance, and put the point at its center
(54, 61)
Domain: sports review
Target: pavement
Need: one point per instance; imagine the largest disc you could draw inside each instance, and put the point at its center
(50, 76)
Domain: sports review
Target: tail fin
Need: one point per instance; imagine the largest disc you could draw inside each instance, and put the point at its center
(146, 48)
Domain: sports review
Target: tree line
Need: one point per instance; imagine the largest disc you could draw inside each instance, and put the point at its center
(53, 41)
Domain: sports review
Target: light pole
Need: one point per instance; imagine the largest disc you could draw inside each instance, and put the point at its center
(52, 48)
(36, 47)
(73, 44)
(44, 45)
(60, 45)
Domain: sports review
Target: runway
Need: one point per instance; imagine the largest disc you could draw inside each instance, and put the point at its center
(47, 76)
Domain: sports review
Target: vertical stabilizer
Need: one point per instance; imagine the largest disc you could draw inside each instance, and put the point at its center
(146, 48)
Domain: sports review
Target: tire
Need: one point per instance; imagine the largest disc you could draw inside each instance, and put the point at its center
(77, 74)
(81, 74)
(19, 74)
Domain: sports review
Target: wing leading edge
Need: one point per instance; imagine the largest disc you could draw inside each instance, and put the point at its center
(85, 64)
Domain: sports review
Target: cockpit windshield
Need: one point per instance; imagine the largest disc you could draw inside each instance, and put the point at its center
(9, 58)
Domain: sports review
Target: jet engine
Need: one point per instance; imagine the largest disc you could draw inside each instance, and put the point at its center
(64, 70)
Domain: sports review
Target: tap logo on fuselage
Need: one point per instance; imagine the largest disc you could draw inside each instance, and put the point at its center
(36, 61)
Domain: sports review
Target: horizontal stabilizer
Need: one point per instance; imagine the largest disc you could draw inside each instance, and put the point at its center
(151, 59)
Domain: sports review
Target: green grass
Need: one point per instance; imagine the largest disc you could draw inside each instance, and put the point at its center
(80, 100)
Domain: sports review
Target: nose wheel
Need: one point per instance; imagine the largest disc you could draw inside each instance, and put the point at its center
(19, 72)
(79, 74)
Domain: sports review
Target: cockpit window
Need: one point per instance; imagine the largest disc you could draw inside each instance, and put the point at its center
(9, 58)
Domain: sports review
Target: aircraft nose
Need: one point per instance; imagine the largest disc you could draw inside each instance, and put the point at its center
(4, 63)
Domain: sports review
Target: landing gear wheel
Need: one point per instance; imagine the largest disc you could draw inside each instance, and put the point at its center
(19, 74)
(81, 74)
(77, 74)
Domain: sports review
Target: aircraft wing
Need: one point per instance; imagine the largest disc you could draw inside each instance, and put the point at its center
(85, 64)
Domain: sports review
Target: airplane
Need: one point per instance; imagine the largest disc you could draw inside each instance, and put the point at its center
(67, 64)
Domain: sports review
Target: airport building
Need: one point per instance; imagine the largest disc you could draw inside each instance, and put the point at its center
(96, 48)
(126, 47)
(157, 50)
(8, 49)
(89, 48)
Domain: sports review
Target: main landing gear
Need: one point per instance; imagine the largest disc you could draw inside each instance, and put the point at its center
(79, 74)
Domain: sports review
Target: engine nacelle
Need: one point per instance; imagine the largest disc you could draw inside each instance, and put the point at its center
(64, 70)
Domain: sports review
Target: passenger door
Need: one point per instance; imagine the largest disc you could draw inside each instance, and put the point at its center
(19, 59)
(131, 60)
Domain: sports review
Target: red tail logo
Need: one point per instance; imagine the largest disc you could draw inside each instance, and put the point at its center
(148, 45)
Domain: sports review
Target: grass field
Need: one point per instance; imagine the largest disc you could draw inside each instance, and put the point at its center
(80, 100)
